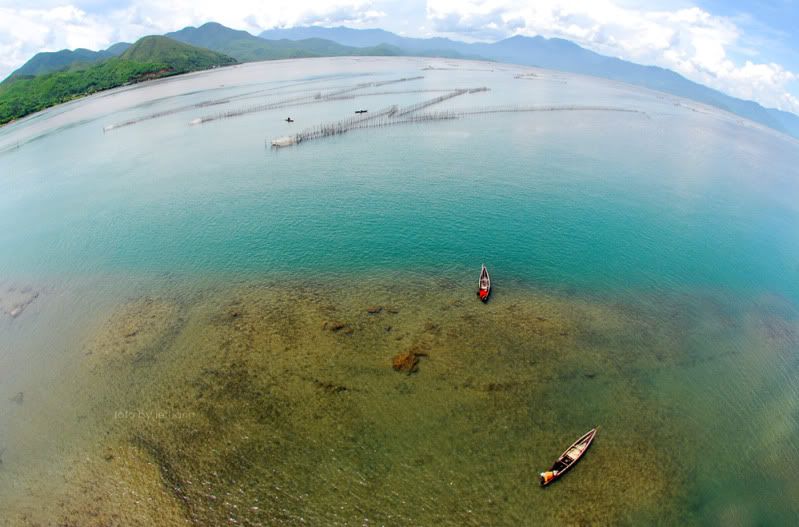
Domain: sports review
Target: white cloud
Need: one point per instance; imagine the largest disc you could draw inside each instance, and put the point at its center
(27, 28)
(23, 32)
(255, 15)
(689, 40)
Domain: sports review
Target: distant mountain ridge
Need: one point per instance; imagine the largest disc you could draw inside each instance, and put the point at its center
(50, 61)
(316, 41)
(246, 48)
(149, 58)
(563, 55)
(178, 56)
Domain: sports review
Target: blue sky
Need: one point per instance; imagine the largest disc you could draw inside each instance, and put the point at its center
(745, 49)
(775, 23)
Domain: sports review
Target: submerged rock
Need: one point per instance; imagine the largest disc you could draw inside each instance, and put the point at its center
(499, 386)
(330, 387)
(336, 326)
(18, 398)
(373, 310)
(432, 327)
(406, 362)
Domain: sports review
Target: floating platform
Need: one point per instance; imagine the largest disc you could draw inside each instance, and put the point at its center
(287, 140)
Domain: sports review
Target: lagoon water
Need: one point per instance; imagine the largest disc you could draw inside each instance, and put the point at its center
(196, 328)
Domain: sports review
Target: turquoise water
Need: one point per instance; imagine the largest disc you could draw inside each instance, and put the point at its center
(659, 210)
(592, 200)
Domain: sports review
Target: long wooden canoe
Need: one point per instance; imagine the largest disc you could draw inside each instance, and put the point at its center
(568, 458)
(484, 284)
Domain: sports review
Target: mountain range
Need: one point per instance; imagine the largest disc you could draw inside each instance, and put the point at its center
(178, 56)
(49, 61)
(315, 41)
(83, 72)
(245, 47)
(557, 54)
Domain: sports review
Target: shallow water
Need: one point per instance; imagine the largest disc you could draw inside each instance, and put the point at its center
(194, 342)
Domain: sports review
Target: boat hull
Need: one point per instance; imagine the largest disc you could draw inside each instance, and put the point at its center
(568, 459)
(484, 285)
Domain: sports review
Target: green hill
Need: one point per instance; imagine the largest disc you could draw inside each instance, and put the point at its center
(50, 61)
(245, 47)
(179, 57)
(238, 44)
(149, 58)
(50, 79)
(119, 48)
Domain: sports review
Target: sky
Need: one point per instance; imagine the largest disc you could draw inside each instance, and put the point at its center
(747, 49)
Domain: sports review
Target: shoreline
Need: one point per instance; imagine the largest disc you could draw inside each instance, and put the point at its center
(680, 100)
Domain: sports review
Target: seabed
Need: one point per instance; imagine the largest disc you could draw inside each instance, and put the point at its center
(277, 404)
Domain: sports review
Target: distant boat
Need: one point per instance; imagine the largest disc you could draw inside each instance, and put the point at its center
(289, 120)
(484, 284)
(361, 111)
(568, 458)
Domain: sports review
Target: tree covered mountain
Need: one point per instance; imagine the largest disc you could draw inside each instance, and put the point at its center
(246, 47)
(222, 45)
(177, 56)
(557, 54)
(149, 58)
(50, 61)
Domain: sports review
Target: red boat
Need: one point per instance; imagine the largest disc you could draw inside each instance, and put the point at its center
(484, 284)
(568, 458)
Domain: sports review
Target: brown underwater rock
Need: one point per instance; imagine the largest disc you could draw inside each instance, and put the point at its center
(406, 361)
(336, 326)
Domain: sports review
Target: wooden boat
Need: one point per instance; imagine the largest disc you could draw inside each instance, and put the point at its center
(484, 284)
(568, 458)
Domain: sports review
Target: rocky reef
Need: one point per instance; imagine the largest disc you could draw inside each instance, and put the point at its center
(278, 404)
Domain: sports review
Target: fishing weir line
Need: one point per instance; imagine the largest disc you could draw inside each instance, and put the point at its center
(338, 93)
(318, 97)
(386, 117)
(257, 108)
(164, 113)
(214, 102)
(336, 128)
(523, 109)
(430, 102)
(404, 116)
(388, 92)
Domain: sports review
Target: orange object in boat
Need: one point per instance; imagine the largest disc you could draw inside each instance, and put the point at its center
(568, 458)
